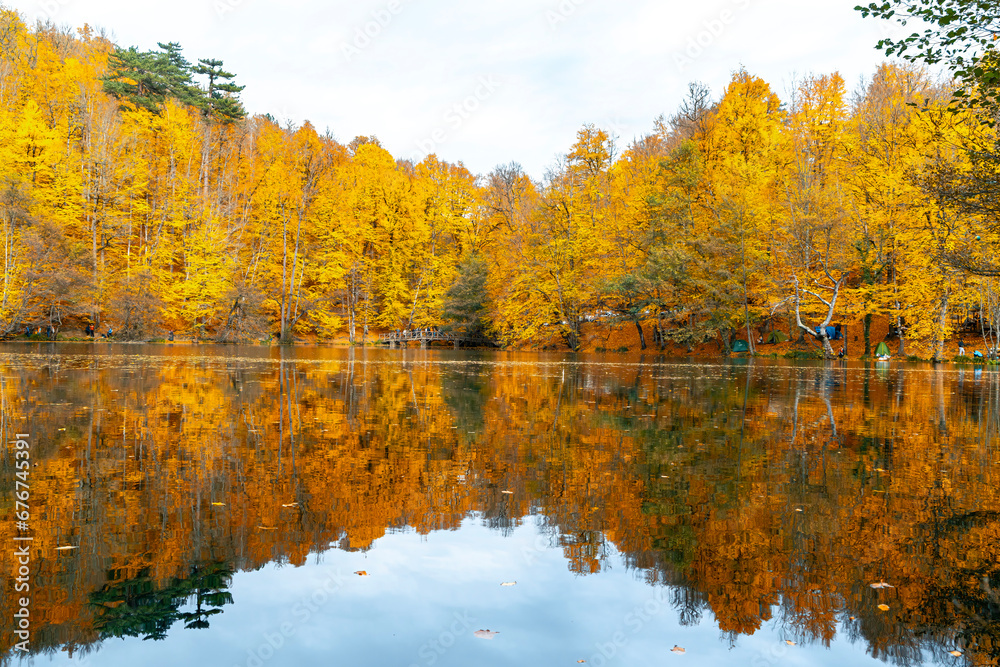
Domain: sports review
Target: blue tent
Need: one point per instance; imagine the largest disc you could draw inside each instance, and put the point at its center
(741, 346)
(831, 333)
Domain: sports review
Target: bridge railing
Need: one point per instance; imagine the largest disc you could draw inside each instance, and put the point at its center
(428, 335)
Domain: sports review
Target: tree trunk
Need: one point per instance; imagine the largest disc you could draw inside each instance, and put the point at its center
(868, 335)
(642, 336)
(827, 347)
(942, 324)
(724, 334)
(571, 339)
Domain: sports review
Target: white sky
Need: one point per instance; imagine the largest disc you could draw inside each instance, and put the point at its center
(529, 73)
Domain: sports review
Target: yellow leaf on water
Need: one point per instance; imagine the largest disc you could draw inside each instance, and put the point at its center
(509, 583)
(361, 573)
(219, 504)
(508, 492)
(677, 649)
(881, 584)
(790, 642)
(884, 607)
(64, 548)
(957, 654)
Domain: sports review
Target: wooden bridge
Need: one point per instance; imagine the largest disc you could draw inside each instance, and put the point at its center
(427, 336)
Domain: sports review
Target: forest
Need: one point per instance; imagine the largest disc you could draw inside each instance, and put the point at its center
(137, 192)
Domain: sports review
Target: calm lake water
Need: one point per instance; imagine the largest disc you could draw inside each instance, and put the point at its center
(315, 506)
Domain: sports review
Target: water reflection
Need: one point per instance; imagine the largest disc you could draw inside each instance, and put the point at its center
(759, 493)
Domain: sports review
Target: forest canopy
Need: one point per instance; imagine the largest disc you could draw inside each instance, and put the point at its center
(136, 191)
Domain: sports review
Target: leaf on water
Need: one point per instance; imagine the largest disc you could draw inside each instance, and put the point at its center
(485, 634)
(219, 504)
(291, 505)
(267, 528)
(790, 642)
(851, 617)
(508, 492)
(798, 509)
(509, 583)
(957, 654)
(881, 584)
(677, 649)
(65, 548)
(361, 573)
(884, 607)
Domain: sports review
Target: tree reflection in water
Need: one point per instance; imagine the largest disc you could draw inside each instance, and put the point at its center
(758, 492)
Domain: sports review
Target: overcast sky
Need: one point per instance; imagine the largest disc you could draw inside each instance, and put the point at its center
(488, 82)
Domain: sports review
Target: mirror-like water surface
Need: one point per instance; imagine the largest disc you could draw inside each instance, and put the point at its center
(255, 506)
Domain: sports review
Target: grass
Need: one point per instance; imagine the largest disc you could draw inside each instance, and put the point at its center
(803, 354)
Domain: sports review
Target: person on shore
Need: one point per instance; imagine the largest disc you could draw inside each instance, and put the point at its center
(110, 333)
(170, 336)
(89, 330)
(840, 355)
(961, 347)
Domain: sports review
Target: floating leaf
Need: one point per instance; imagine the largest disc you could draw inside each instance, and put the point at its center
(361, 573)
(64, 548)
(677, 649)
(485, 634)
(510, 493)
(884, 607)
(852, 617)
(790, 642)
(291, 505)
(509, 583)
(219, 504)
(957, 654)
(881, 584)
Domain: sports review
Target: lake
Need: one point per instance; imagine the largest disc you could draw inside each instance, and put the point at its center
(251, 506)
